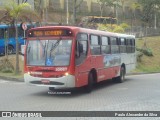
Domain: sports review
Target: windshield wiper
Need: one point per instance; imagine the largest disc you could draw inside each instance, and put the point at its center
(54, 46)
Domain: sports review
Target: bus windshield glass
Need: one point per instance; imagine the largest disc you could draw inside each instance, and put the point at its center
(49, 52)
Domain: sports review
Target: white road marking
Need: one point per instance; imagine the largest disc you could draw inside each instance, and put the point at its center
(3, 81)
(150, 74)
(11, 82)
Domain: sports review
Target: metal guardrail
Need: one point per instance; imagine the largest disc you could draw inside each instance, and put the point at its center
(143, 32)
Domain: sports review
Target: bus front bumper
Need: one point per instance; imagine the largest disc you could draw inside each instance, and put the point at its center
(57, 83)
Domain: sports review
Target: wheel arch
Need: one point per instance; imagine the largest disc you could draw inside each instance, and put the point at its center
(94, 73)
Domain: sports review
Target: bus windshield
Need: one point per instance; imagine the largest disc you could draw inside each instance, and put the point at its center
(49, 52)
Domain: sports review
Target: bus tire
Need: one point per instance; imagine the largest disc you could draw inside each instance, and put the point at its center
(121, 78)
(10, 49)
(89, 87)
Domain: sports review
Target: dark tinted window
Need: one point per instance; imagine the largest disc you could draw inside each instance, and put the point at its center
(105, 46)
(95, 44)
(114, 45)
(81, 47)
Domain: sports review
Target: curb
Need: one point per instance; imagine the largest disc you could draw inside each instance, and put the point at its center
(12, 79)
(141, 73)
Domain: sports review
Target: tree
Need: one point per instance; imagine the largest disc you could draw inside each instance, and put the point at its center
(41, 7)
(104, 3)
(149, 9)
(76, 4)
(14, 13)
(134, 7)
(123, 9)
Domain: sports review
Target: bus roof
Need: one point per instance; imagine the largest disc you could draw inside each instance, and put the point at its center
(7, 26)
(84, 30)
(3, 26)
(125, 35)
(77, 29)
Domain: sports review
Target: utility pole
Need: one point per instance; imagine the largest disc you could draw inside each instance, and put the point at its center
(67, 13)
(18, 2)
(155, 21)
(74, 11)
(155, 17)
(117, 11)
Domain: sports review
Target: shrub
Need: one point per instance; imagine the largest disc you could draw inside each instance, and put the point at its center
(6, 66)
(124, 25)
(145, 51)
(148, 52)
(118, 29)
(139, 56)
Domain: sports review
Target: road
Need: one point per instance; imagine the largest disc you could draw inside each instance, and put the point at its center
(137, 93)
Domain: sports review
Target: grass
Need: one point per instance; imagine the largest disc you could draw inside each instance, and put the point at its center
(11, 75)
(12, 59)
(152, 63)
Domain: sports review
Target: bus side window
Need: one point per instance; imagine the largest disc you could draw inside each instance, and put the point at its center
(122, 45)
(2, 32)
(81, 47)
(133, 45)
(129, 46)
(114, 45)
(95, 45)
(105, 46)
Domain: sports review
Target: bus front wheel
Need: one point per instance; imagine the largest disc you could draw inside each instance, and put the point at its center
(89, 86)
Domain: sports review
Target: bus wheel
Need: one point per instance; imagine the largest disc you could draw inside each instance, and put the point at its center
(10, 49)
(89, 87)
(121, 78)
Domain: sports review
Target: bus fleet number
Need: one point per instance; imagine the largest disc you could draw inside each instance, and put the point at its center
(61, 69)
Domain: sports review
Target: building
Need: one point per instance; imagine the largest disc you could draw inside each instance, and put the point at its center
(31, 2)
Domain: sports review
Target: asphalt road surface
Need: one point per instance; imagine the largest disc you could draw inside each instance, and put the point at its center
(137, 93)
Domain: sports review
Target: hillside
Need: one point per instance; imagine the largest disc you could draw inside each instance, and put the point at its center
(149, 64)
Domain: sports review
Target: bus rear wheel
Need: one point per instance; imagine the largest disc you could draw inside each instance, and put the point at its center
(89, 87)
(121, 78)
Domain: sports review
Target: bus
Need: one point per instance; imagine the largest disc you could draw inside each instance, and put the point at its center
(7, 38)
(60, 57)
(99, 20)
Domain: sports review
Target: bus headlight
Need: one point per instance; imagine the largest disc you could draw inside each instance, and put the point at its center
(66, 74)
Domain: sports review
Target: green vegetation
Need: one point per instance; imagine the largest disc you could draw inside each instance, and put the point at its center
(13, 13)
(114, 28)
(149, 64)
(7, 65)
(11, 75)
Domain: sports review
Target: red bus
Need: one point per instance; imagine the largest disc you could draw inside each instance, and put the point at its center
(70, 57)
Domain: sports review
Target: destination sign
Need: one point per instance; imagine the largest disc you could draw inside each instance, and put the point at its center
(47, 33)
